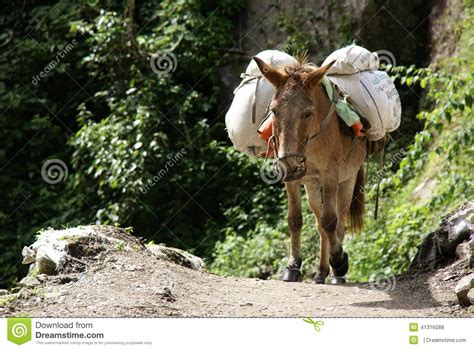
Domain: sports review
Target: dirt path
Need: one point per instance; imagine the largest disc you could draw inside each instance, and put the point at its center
(133, 284)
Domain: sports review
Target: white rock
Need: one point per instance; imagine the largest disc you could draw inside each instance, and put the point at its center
(176, 256)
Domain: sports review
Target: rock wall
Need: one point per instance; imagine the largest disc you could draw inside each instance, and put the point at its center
(400, 29)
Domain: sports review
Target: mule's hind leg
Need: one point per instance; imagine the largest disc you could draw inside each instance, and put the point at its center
(340, 261)
(315, 202)
(291, 273)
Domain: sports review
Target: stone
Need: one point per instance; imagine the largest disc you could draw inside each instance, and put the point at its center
(63, 251)
(441, 245)
(176, 256)
(29, 255)
(46, 265)
(466, 251)
(165, 293)
(470, 296)
(29, 282)
(42, 278)
(3, 292)
(465, 285)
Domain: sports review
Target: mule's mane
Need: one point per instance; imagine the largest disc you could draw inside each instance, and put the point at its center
(303, 65)
(302, 57)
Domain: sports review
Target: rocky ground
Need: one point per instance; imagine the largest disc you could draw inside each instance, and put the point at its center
(104, 271)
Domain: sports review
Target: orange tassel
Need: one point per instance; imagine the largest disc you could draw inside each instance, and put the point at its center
(266, 131)
(357, 129)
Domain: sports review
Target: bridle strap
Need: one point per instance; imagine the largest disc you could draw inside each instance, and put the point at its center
(333, 90)
(326, 120)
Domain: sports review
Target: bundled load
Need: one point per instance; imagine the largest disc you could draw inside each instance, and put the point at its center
(250, 104)
(351, 59)
(369, 92)
(366, 93)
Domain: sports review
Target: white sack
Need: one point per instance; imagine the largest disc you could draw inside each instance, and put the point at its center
(352, 59)
(242, 132)
(375, 98)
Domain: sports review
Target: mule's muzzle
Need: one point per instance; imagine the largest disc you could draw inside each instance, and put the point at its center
(292, 166)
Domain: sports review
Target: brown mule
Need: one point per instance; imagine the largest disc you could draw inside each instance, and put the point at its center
(312, 150)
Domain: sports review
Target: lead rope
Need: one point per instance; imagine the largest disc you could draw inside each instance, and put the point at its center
(369, 149)
(380, 165)
(271, 142)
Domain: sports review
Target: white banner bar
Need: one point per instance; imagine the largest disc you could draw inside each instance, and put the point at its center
(237, 333)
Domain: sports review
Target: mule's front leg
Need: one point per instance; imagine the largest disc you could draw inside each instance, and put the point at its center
(314, 192)
(329, 217)
(330, 222)
(291, 273)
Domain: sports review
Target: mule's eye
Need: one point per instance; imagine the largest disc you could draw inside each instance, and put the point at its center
(307, 115)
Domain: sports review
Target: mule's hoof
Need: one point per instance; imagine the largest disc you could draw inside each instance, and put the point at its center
(340, 265)
(337, 280)
(318, 279)
(291, 275)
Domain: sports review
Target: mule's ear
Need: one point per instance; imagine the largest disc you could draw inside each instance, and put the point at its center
(273, 75)
(317, 75)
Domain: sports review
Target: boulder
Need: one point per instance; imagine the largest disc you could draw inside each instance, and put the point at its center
(464, 290)
(29, 282)
(466, 251)
(72, 250)
(440, 246)
(176, 256)
(470, 296)
(66, 250)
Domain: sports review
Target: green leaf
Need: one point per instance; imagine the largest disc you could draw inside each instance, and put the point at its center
(468, 100)
(423, 82)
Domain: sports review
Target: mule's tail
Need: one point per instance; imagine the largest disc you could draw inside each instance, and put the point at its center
(356, 211)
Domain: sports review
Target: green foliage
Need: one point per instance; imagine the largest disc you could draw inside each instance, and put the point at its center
(37, 117)
(263, 250)
(435, 176)
(305, 28)
(116, 122)
(261, 255)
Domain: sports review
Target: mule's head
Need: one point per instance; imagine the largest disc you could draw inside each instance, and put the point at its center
(296, 114)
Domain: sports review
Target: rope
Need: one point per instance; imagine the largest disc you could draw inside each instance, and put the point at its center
(380, 166)
(246, 78)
